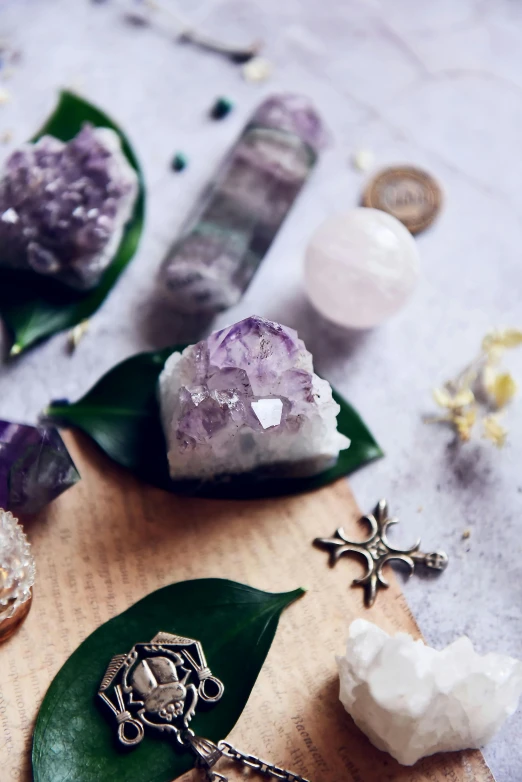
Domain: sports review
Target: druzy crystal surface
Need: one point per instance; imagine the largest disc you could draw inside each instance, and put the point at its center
(16, 566)
(35, 467)
(63, 206)
(412, 700)
(236, 219)
(247, 399)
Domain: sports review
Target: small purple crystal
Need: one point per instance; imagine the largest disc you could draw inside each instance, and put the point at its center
(236, 220)
(35, 467)
(64, 206)
(247, 398)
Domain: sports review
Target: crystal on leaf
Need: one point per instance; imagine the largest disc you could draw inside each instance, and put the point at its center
(245, 399)
(64, 206)
(233, 224)
(35, 467)
(16, 567)
(412, 700)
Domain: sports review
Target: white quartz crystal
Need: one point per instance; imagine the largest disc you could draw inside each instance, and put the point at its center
(412, 700)
(361, 267)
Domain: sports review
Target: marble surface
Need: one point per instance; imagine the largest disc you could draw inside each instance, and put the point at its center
(433, 84)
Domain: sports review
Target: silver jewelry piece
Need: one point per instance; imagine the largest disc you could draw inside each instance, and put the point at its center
(158, 686)
(153, 687)
(378, 551)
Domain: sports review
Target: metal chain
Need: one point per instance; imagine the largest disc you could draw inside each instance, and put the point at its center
(258, 765)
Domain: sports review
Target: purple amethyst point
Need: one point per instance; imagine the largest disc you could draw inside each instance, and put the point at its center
(35, 467)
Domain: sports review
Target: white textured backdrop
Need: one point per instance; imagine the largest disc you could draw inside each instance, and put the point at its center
(434, 84)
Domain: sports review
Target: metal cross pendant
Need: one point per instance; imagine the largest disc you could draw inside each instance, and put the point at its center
(377, 551)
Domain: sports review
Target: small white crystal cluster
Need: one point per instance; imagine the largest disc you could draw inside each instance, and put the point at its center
(17, 569)
(412, 700)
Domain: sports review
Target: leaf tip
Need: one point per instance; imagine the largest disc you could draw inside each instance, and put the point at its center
(296, 594)
(16, 350)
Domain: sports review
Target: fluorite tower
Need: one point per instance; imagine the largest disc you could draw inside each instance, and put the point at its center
(247, 399)
(235, 221)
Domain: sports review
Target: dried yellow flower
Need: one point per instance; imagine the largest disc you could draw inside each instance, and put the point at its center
(453, 402)
(494, 431)
(465, 395)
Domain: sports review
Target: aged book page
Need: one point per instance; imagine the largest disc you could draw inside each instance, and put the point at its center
(110, 540)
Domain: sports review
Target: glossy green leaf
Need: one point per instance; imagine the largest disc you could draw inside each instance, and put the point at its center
(74, 737)
(121, 414)
(34, 307)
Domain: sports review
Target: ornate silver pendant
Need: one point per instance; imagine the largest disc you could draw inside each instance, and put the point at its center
(158, 685)
(378, 551)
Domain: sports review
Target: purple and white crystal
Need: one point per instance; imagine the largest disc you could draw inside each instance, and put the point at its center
(35, 467)
(246, 399)
(64, 206)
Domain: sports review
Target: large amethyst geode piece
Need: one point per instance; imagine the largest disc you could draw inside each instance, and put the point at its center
(247, 399)
(64, 206)
(35, 467)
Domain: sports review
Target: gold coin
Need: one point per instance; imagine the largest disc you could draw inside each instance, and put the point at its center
(409, 194)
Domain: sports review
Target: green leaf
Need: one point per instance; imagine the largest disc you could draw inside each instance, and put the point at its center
(121, 414)
(74, 737)
(34, 307)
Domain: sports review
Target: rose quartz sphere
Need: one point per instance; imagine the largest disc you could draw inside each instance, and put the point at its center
(361, 267)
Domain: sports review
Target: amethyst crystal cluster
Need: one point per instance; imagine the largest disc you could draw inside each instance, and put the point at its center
(35, 467)
(237, 218)
(247, 398)
(64, 206)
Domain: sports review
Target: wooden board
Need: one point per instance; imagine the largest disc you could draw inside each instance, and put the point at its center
(111, 540)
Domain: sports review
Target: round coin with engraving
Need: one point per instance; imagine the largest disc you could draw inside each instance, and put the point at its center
(408, 193)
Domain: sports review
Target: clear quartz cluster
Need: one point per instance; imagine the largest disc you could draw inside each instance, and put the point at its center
(412, 700)
(17, 567)
(245, 399)
(63, 206)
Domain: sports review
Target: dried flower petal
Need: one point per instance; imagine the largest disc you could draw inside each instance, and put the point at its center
(257, 69)
(464, 423)
(77, 333)
(363, 159)
(501, 387)
(502, 338)
(494, 431)
(453, 402)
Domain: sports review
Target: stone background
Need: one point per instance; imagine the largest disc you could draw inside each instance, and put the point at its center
(433, 84)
